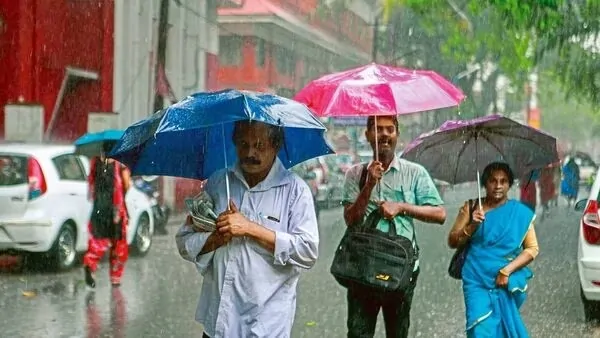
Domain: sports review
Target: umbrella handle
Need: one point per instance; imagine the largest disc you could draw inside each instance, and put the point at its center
(479, 189)
(478, 175)
(377, 159)
(226, 169)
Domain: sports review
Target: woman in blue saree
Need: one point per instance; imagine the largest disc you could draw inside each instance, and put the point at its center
(501, 243)
(570, 183)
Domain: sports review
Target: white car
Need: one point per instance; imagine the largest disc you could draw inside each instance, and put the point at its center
(44, 206)
(588, 252)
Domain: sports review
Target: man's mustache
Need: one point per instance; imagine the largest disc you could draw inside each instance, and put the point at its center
(250, 160)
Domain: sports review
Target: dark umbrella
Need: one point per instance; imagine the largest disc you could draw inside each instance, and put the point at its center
(458, 151)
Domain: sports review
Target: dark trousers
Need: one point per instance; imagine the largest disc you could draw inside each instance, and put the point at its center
(364, 305)
(204, 335)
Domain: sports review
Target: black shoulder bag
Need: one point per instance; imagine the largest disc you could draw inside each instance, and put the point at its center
(372, 258)
(458, 259)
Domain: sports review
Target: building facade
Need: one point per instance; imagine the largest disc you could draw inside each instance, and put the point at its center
(73, 58)
(191, 65)
(280, 45)
(49, 62)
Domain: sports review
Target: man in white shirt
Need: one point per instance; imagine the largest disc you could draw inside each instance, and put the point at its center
(252, 262)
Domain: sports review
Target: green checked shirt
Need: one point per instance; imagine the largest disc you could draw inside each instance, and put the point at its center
(403, 181)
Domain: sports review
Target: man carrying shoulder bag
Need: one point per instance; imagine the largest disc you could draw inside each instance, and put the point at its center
(377, 260)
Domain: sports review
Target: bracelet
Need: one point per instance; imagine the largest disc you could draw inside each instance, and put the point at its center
(503, 272)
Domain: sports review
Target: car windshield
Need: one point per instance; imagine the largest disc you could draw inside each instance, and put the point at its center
(13, 170)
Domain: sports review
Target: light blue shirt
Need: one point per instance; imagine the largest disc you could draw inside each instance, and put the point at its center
(403, 181)
(248, 291)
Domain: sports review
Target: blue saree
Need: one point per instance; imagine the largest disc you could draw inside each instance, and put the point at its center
(492, 311)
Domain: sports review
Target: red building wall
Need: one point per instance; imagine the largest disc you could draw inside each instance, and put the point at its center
(39, 40)
(9, 41)
(345, 25)
(248, 74)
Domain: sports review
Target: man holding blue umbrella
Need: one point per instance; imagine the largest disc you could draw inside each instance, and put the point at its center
(266, 234)
(266, 230)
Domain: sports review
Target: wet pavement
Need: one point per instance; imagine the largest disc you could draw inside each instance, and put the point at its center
(159, 292)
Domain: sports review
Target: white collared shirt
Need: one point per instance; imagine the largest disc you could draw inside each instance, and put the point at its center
(248, 291)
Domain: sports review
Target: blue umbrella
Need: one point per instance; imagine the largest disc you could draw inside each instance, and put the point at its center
(192, 138)
(93, 144)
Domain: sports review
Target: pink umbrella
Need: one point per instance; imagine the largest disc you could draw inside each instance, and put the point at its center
(379, 90)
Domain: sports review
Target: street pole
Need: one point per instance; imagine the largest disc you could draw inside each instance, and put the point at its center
(161, 61)
(375, 39)
(161, 50)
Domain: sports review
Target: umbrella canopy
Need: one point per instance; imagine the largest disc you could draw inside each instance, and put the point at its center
(458, 150)
(379, 90)
(93, 144)
(190, 138)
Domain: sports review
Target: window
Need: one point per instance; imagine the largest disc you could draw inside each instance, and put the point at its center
(260, 53)
(285, 61)
(69, 168)
(230, 50)
(13, 170)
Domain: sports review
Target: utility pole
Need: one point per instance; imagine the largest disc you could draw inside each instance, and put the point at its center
(161, 50)
(375, 38)
(161, 61)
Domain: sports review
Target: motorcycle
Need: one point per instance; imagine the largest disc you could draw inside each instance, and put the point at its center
(160, 212)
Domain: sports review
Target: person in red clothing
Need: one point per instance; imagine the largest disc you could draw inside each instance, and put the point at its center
(529, 190)
(547, 187)
(109, 181)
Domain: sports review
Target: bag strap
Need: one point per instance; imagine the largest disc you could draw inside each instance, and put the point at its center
(363, 176)
(376, 216)
(472, 207)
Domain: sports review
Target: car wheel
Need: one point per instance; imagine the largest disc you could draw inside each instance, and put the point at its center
(142, 240)
(63, 253)
(591, 309)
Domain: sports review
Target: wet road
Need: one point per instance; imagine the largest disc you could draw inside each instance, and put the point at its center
(160, 291)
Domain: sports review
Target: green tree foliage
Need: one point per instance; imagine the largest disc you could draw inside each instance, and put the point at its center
(418, 37)
(566, 119)
(521, 34)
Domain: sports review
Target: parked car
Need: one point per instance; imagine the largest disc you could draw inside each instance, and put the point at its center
(44, 206)
(588, 251)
